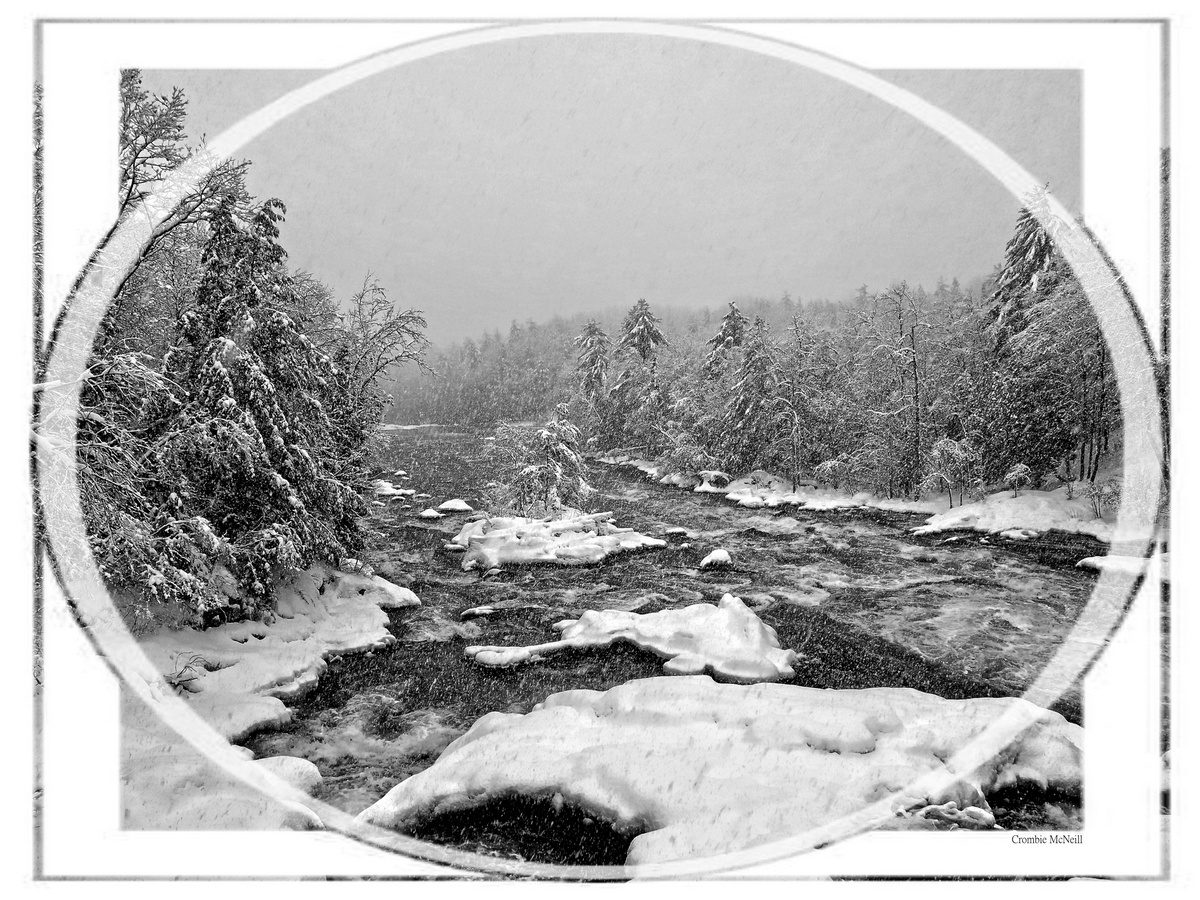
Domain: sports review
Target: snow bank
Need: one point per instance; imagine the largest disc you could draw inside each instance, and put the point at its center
(1023, 516)
(727, 639)
(761, 489)
(569, 541)
(698, 768)
(236, 675)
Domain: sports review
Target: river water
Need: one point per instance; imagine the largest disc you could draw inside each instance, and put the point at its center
(863, 601)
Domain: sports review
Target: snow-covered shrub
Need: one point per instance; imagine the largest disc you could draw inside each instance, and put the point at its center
(952, 464)
(1104, 496)
(541, 469)
(830, 473)
(1017, 478)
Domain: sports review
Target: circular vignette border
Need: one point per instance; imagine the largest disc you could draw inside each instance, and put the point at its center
(56, 406)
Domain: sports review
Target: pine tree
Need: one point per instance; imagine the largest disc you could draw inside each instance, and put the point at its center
(640, 332)
(592, 367)
(728, 337)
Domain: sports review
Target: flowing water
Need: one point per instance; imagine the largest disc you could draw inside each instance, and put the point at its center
(863, 601)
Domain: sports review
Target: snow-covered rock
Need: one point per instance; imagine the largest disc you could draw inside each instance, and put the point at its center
(456, 505)
(727, 639)
(384, 488)
(299, 773)
(477, 611)
(718, 559)
(431, 514)
(1027, 514)
(573, 540)
(374, 589)
(696, 768)
(399, 473)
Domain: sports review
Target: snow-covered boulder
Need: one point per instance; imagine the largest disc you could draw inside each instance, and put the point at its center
(573, 540)
(456, 505)
(727, 639)
(718, 559)
(1027, 514)
(299, 773)
(476, 612)
(431, 514)
(696, 768)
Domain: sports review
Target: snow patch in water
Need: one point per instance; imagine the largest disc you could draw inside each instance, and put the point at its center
(728, 639)
(573, 540)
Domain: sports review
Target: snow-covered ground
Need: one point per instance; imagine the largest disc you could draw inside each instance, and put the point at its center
(235, 677)
(1029, 513)
(727, 639)
(571, 540)
(698, 768)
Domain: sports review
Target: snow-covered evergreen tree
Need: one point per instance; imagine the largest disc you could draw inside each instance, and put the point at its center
(263, 440)
(640, 332)
(728, 337)
(541, 470)
(748, 413)
(592, 363)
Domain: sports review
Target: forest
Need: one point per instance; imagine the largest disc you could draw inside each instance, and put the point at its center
(900, 391)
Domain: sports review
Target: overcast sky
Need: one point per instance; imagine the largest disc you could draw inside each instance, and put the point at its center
(556, 175)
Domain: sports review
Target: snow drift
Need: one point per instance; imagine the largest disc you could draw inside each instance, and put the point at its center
(573, 540)
(696, 768)
(727, 639)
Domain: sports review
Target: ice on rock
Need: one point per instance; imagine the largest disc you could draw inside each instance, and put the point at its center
(718, 559)
(573, 540)
(456, 505)
(696, 768)
(727, 639)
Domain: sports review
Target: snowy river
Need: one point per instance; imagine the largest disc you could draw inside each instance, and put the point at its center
(864, 602)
